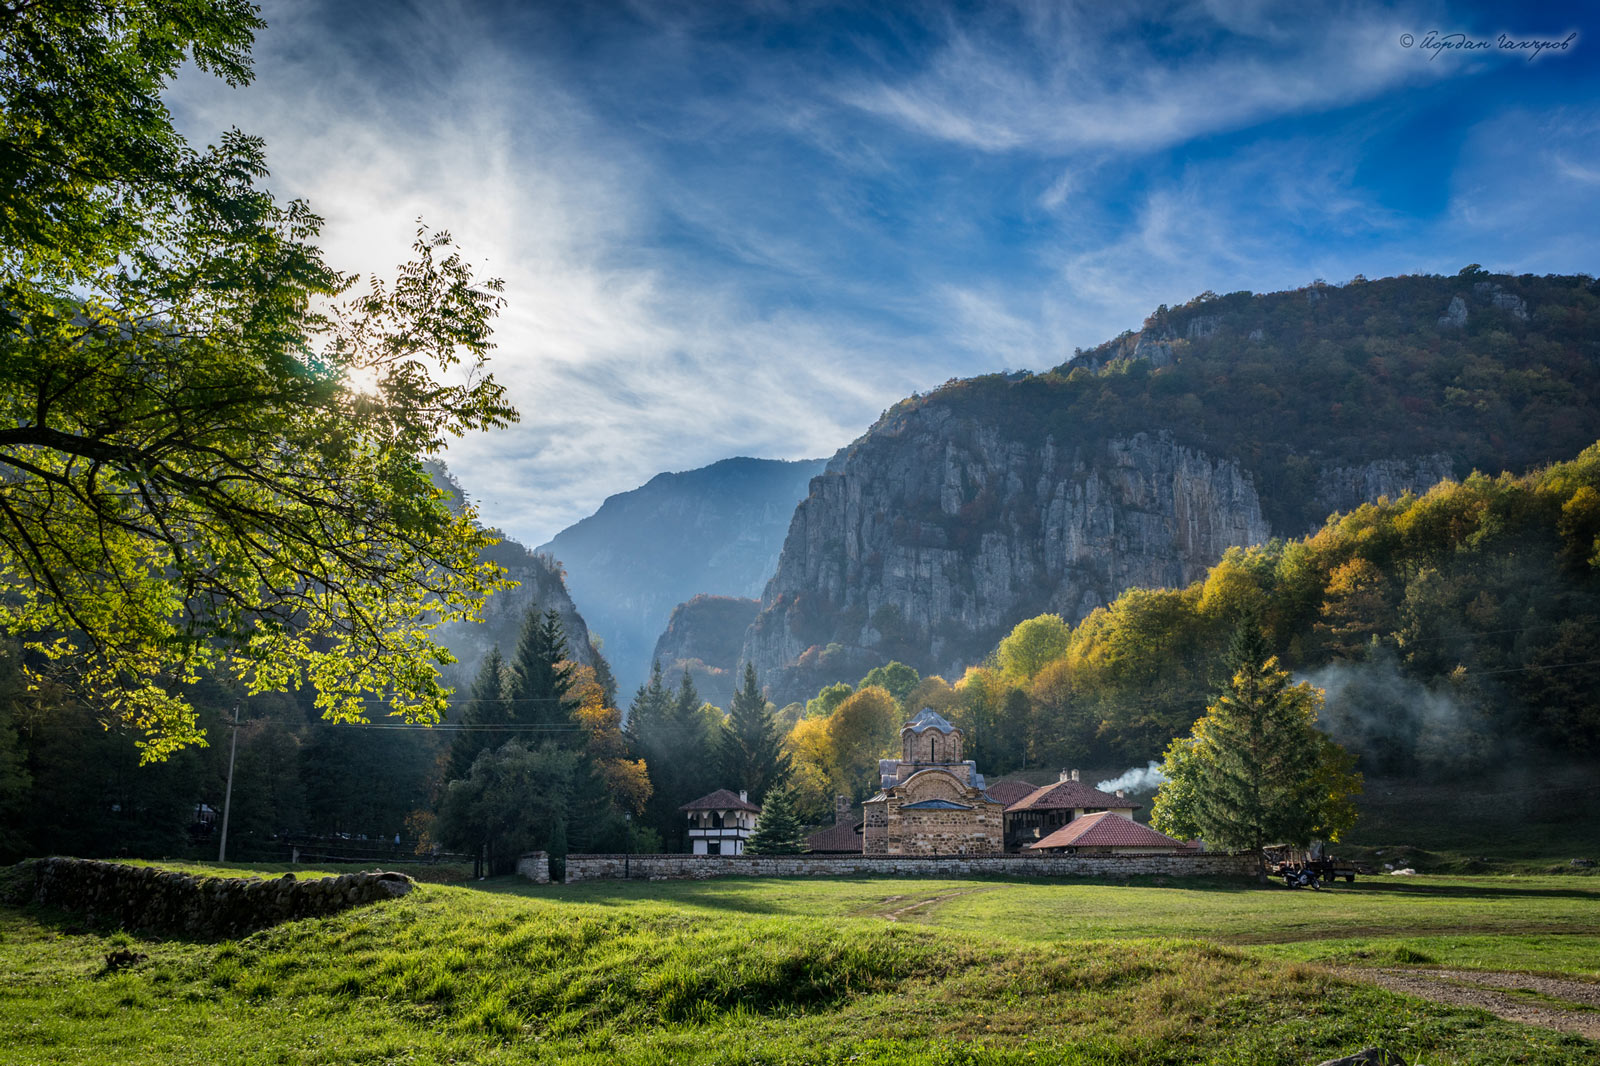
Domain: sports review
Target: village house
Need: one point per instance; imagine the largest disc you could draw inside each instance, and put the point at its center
(931, 800)
(1108, 833)
(720, 823)
(1048, 808)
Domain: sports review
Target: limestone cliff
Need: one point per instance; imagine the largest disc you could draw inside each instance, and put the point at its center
(1138, 463)
(938, 533)
(705, 636)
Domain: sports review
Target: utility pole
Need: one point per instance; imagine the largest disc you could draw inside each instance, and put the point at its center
(227, 801)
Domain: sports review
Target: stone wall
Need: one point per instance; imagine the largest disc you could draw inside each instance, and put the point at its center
(535, 866)
(687, 867)
(144, 897)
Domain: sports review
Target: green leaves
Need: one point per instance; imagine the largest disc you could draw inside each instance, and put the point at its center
(191, 482)
(1254, 770)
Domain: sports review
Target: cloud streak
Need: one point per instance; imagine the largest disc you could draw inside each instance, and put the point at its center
(749, 235)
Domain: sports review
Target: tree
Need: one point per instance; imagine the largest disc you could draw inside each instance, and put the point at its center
(484, 708)
(750, 753)
(861, 730)
(897, 677)
(213, 444)
(1032, 646)
(1254, 769)
(777, 828)
(539, 688)
(515, 800)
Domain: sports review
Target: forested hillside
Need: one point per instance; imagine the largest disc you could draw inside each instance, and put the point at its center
(1220, 424)
(1453, 631)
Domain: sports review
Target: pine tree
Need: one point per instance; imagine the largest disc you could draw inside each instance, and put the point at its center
(750, 753)
(485, 706)
(777, 827)
(649, 708)
(538, 691)
(1255, 770)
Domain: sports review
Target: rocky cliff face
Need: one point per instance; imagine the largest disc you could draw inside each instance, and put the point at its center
(716, 530)
(938, 533)
(704, 636)
(540, 585)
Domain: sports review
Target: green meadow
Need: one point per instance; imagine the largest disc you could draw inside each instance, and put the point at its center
(810, 971)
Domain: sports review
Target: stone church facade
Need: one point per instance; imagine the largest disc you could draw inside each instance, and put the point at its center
(931, 801)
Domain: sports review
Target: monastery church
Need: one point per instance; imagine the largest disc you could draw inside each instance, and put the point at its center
(931, 801)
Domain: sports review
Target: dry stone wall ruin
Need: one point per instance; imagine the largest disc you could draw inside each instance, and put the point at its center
(145, 897)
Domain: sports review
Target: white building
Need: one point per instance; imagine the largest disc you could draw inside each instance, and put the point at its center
(719, 824)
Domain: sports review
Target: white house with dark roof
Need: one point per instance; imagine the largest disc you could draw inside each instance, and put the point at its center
(720, 823)
(931, 801)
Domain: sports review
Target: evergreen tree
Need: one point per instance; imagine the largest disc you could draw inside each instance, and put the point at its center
(1255, 770)
(670, 733)
(750, 753)
(777, 827)
(485, 706)
(649, 708)
(539, 688)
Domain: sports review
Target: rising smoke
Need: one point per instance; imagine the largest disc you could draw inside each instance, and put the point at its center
(1397, 724)
(1136, 780)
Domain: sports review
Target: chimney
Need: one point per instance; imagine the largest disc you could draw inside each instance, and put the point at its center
(841, 809)
(1121, 794)
(744, 796)
(1069, 775)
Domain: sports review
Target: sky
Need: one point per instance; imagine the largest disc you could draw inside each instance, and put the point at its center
(749, 228)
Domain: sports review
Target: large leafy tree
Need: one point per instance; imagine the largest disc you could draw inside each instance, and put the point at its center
(210, 452)
(750, 753)
(1255, 770)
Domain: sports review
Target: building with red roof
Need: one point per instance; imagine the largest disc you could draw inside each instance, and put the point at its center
(1049, 807)
(1107, 833)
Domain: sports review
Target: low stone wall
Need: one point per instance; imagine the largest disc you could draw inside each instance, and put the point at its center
(535, 866)
(143, 897)
(686, 867)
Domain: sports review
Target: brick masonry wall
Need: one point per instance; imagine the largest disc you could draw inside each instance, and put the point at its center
(696, 867)
(143, 897)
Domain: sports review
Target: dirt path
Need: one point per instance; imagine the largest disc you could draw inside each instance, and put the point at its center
(895, 915)
(1513, 996)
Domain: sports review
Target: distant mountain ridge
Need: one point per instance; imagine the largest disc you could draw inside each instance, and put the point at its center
(1137, 463)
(716, 530)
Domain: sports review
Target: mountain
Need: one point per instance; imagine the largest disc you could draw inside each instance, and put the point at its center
(1223, 422)
(540, 582)
(716, 530)
(704, 636)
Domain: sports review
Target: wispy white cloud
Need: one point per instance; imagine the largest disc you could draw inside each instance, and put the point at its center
(1096, 76)
(712, 247)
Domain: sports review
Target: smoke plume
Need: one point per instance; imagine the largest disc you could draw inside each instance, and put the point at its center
(1136, 780)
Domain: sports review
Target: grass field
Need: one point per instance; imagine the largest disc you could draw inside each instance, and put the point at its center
(833, 971)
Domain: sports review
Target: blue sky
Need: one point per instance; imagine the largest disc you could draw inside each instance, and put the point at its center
(746, 229)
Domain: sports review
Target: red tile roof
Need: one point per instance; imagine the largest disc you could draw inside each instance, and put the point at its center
(1009, 790)
(720, 800)
(1070, 795)
(844, 837)
(1106, 830)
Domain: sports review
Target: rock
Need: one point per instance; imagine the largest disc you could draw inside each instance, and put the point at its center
(936, 535)
(1455, 316)
(1372, 1056)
